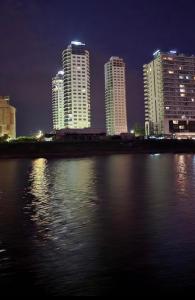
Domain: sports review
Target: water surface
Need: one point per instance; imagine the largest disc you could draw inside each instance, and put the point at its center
(97, 226)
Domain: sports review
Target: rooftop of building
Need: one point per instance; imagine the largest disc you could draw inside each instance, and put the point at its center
(116, 58)
(77, 43)
(172, 52)
(4, 98)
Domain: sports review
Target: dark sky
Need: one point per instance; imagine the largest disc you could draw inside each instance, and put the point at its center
(33, 34)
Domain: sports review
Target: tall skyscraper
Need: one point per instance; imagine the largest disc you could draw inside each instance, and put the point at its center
(169, 87)
(7, 118)
(58, 101)
(115, 96)
(77, 97)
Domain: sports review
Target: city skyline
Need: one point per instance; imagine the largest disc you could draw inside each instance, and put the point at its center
(33, 41)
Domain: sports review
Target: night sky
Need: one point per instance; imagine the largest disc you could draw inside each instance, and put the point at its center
(34, 33)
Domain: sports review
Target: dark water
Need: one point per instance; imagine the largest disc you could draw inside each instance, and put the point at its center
(97, 226)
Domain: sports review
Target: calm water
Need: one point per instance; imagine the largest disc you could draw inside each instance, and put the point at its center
(96, 226)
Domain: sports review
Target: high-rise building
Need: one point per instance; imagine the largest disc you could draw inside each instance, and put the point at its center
(77, 97)
(115, 96)
(169, 87)
(7, 118)
(58, 101)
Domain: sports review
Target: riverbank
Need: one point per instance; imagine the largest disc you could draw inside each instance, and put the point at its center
(84, 149)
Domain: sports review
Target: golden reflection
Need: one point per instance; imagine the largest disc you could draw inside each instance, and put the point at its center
(181, 177)
(64, 196)
(39, 189)
(75, 181)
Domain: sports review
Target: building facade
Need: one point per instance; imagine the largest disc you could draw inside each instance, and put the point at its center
(115, 96)
(7, 118)
(58, 101)
(77, 98)
(169, 90)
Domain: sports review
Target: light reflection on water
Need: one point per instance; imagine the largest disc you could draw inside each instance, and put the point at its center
(62, 194)
(98, 225)
(181, 177)
(39, 188)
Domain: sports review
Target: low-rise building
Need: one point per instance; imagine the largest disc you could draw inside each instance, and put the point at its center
(7, 118)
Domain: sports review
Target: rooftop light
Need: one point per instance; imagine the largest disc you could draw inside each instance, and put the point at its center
(61, 73)
(156, 52)
(76, 43)
(173, 52)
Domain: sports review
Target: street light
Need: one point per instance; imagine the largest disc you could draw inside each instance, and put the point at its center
(39, 135)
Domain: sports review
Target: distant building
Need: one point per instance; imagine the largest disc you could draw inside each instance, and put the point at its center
(115, 96)
(86, 134)
(169, 87)
(7, 118)
(77, 98)
(58, 101)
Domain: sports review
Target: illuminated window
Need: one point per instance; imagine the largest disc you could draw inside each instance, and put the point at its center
(193, 99)
(181, 127)
(175, 122)
(168, 58)
(181, 77)
(182, 90)
(182, 86)
(167, 107)
(171, 72)
(182, 95)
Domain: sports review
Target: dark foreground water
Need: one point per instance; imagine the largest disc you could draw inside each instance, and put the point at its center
(97, 226)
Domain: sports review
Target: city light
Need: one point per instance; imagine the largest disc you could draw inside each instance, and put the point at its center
(76, 43)
(39, 135)
(61, 73)
(173, 52)
(156, 52)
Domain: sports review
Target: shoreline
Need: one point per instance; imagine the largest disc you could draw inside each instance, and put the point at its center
(52, 150)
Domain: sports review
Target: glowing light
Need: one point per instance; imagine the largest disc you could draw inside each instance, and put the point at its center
(61, 73)
(132, 131)
(76, 43)
(173, 52)
(157, 52)
(39, 135)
